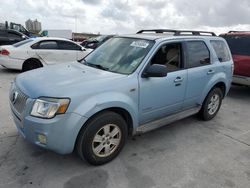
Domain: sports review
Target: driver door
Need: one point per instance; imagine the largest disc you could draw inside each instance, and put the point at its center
(162, 96)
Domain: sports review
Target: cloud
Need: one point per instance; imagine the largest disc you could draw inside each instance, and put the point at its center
(128, 16)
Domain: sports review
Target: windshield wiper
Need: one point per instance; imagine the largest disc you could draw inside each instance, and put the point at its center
(98, 66)
(95, 65)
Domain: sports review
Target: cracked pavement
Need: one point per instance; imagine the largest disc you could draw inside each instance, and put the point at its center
(188, 153)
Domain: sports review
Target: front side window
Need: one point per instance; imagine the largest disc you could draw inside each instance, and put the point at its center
(197, 54)
(221, 50)
(238, 44)
(169, 55)
(66, 45)
(120, 55)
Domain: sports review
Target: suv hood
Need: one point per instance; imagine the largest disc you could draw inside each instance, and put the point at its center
(65, 80)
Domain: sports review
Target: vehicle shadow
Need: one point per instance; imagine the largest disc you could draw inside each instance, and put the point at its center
(239, 92)
(4, 70)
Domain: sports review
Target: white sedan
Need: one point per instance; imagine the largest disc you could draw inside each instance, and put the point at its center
(38, 52)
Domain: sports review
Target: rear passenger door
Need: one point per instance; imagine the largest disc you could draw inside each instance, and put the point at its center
(47, 50)
(200, 71)
(69, 50)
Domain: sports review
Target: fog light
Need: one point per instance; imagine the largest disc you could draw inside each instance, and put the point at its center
(42, 138)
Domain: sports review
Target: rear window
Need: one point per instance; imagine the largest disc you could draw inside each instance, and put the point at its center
(221, 50)
(239, 45)
(22, 42)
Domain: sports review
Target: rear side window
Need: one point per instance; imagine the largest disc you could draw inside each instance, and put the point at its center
(221, 50)
(13, 35)
(197, 54)
(22, 42)
(48, 45)
(66, 45)
(2, 32)
(239, 45)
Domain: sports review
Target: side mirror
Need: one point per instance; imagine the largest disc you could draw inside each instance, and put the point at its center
(83, 49)
(155, 70)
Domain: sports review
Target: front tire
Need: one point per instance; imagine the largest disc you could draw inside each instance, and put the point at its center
(102, 138)
(211, 104)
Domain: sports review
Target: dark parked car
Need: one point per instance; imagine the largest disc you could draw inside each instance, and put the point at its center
(93, 43)
(239, 44)
(9, 36)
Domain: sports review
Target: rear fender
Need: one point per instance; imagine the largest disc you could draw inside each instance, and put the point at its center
(219, 77)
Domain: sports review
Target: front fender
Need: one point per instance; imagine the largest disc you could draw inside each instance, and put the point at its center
(97, 103)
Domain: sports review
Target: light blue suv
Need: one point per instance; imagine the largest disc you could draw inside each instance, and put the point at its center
(129, 85)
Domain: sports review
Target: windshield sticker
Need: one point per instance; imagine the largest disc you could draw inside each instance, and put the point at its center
(140, 44)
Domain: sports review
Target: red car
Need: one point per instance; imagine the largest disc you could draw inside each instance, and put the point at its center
(239, 43)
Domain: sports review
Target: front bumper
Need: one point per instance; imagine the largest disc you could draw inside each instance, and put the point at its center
(242, 80)
(61, 131)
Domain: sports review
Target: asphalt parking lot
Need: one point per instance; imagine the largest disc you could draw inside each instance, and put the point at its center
(188, 153)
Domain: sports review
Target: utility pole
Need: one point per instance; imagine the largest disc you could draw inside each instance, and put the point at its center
(76, 23)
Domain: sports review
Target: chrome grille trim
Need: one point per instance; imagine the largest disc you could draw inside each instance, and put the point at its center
(20, 102)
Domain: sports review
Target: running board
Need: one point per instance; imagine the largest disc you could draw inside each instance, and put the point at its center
(166, 120)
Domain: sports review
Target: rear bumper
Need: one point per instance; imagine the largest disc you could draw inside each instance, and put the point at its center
(242, 80)
(11, 63)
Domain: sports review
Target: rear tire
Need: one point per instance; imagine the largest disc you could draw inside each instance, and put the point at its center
(102, 138)
(211, 104)
(31, 64)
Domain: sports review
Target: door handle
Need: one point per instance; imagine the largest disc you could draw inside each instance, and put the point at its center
(178, 80)
(210, 72)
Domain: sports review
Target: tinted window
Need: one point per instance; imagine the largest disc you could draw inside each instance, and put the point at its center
(66, 45)
(45, 45)
(13, 35)
(2, 32)
(221, 50)
(168, 55)
(197, 54)
(239, 45)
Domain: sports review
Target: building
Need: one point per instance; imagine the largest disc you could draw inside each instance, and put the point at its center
(33, 26)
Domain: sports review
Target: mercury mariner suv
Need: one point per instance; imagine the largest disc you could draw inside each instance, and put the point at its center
(129, 85)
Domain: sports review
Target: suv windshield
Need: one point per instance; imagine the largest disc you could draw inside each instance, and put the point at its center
(120, 55)
(239, 44)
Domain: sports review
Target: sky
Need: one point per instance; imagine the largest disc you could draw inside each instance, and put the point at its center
(129, 16)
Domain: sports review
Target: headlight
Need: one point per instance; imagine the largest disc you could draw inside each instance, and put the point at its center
(49, 107)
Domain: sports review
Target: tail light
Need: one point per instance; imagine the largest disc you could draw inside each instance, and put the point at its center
(4, 52)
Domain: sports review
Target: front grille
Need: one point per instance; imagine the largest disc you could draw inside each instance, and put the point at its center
(18, 99)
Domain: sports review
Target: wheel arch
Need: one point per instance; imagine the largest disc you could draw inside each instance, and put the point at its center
(32, 59)
(119, 110)
(220, 84)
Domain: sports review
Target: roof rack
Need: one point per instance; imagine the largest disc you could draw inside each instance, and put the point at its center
(178, 32)
(238, 31)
